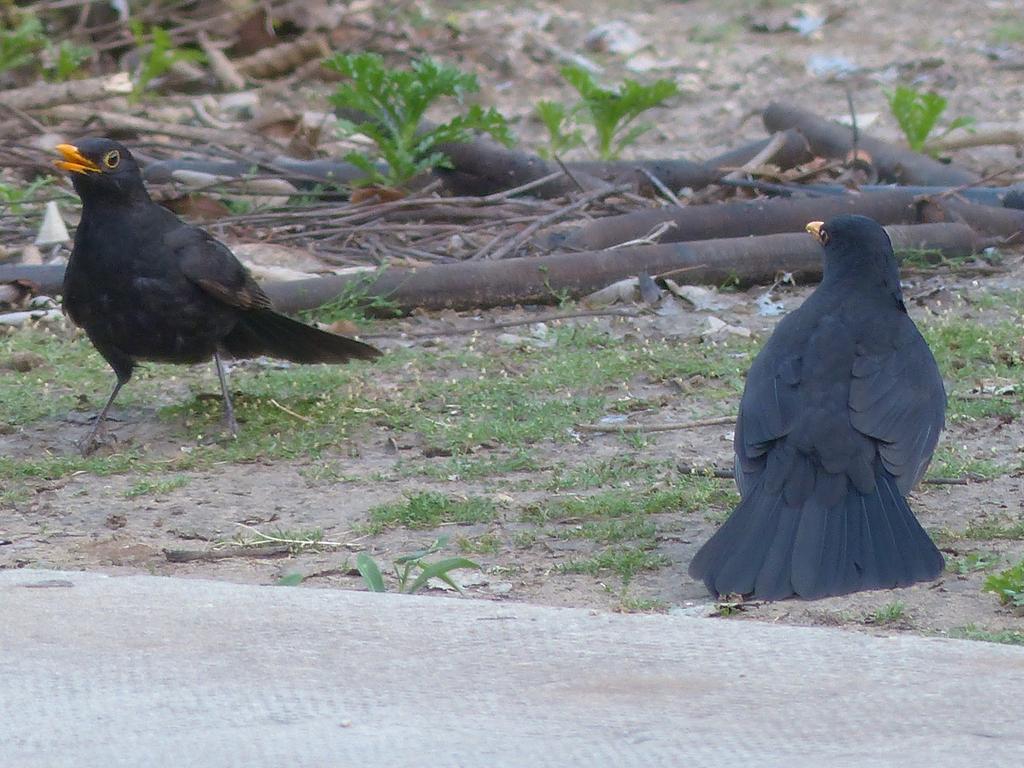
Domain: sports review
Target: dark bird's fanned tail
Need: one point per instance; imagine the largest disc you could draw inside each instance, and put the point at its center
(264, 332)
(770, 550)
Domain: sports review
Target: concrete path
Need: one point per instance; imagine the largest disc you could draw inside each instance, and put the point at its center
(151, 672)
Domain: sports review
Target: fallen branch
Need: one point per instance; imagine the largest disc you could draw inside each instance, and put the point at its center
(121, 122)
(979, 136)
(209, 555)
(756, 217)
(892, 163)
(548, 279)
(43, 95)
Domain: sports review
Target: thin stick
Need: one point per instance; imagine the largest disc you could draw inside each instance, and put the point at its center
(665, 427)
(507, 323)
(264, 537)
(551, 218)
(660, 186)
(290, 412)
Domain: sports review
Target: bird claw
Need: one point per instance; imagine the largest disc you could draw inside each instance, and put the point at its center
(97, 438)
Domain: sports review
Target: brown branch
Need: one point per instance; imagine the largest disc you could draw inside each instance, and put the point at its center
(833, 140)
(43, 95)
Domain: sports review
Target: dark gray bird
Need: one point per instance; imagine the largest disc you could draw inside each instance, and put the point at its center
(146, 286)
(839, 418)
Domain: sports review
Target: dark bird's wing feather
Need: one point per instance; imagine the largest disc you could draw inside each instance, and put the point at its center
(259, 330)
(897, 398)
(210, 265)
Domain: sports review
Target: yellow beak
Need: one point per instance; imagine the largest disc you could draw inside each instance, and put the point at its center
(814, 228)
(74, 160)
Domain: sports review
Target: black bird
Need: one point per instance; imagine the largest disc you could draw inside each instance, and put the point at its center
(146, 286)
(839, 418)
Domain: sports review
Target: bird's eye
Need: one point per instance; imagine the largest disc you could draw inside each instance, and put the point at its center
(112, 158)
(823, 236)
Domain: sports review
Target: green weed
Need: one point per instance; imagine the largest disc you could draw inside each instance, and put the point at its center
(429, 509)
(395, 101)
(917, 113)
(1008, 585)
(412, 571)
(611, 113)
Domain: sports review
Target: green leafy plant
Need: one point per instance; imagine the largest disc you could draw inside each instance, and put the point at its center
(1008, 585)
(355, 302)
(19, 45)
(393, 103)
(65, 60)
(412, 571)
(159, 57)
(14, 199)
(612, 113)
(918, 112)
(562, 135)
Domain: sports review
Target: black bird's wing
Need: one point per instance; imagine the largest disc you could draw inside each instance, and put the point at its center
(259, 330)
(897, 398)
(213, 267)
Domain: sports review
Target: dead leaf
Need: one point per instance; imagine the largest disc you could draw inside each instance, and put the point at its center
(200, 207)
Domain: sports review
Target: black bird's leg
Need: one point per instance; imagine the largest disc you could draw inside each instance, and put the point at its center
(93, 440)
(229, 410)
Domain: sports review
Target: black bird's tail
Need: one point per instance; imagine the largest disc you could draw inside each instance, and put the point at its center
(770, 550)
(264, 332)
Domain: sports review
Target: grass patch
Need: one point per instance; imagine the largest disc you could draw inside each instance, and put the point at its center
(636, 604)
(1002, 636)
(611, 531)
(1007, 32)
(953, 461)
(970, 353)
(486, 544)
(473, 467)
(457, 400)
(987, 530)
(625, 562)
(297, 540)
(1008, 585)
(972, 562)
(625, 470)
(152, 487)
(428, 510)
(890, 613)
(687, 493)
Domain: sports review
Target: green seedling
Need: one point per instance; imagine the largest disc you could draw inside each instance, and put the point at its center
(612, 113)
(562, 134)
(18, 45)
(64, 60)
(412, 571)
(918, 112)
(1008, 585)
(394, 102)
(159, 56)
(355, 302)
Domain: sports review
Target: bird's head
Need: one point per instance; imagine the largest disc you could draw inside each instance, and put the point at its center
(856, 245)
(101, 170)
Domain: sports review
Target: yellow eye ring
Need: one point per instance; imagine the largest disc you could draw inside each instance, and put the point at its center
(112, 158)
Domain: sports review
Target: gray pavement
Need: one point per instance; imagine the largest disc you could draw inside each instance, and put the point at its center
(149, 672)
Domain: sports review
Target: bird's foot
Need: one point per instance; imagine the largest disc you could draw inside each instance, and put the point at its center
(98, 437)
(231, 426)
